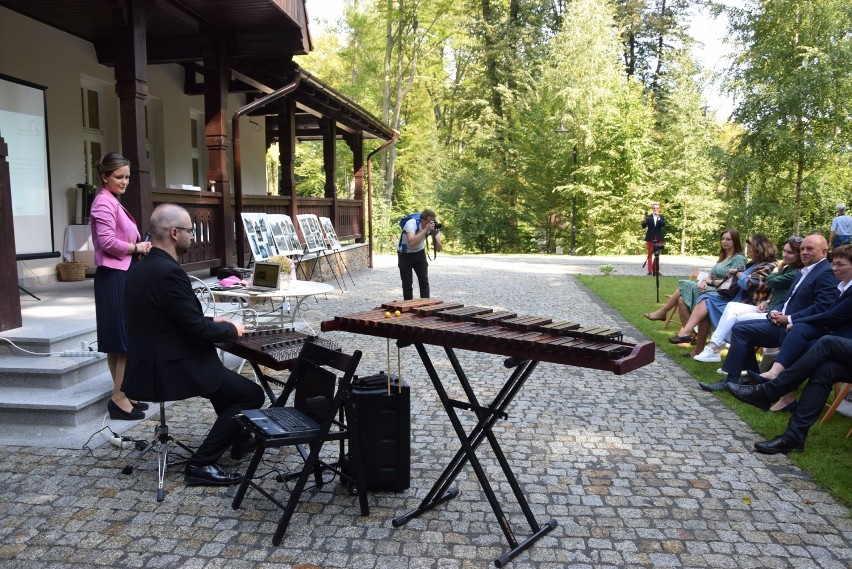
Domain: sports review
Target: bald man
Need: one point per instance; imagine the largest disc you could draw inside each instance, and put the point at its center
(171, 352)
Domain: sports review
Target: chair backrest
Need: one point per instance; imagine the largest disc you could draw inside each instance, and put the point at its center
(315, 356)
(212, 308)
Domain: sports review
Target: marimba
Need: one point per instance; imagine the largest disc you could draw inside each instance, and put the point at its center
(526, 341)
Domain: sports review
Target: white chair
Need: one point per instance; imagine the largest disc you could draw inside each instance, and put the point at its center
(215, 308)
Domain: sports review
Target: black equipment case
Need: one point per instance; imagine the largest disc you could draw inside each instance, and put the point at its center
(384, 430)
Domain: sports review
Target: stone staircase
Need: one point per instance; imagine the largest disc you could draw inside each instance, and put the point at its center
(52, 390)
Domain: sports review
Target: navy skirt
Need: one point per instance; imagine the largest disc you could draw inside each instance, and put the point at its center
(109, 310)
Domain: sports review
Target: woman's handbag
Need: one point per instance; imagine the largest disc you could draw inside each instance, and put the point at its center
(729, 287)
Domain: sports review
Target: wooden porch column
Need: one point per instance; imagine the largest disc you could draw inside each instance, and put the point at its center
(10, 298)
(217, 76)
(329, 162)
(355, 142)
(287, 154)
(129, 19)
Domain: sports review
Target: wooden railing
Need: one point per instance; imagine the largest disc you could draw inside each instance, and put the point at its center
(203, 208)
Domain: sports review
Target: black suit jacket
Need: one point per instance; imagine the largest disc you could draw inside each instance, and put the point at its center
(815, 294)
(171, 353)
(653, 231)
(837, 320)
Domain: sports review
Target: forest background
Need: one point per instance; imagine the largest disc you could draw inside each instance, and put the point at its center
(552, 125)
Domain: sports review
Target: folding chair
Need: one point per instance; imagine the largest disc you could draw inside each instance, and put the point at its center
(336, 424)
(840, 392)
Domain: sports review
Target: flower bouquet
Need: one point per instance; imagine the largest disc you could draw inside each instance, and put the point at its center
(288, 270)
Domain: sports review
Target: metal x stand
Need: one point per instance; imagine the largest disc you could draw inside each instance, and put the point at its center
(486, 416)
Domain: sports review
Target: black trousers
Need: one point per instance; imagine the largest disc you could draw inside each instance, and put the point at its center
(235, 394)
(825, 363)
(417, 262)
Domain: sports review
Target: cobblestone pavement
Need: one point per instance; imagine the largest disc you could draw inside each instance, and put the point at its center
(640, 470)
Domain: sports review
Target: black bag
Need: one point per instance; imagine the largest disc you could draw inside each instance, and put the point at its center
(729, 287)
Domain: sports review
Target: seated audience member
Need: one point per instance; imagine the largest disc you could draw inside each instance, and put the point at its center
(813, 292)
(803, 332)
(730, 257)
(777, 284)
(709, 306)
(825, 363)
(171, 352)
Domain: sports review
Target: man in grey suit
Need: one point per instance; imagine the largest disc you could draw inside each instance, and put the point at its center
(171, 352)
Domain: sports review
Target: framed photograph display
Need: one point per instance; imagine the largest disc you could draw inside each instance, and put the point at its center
(310, 227)
(259, 236)
(284, 234)
(330, 235)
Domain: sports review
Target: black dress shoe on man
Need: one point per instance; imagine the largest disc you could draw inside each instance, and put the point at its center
(209, 475)
(751, 394)
(720, 386)
(116, 413)
(779, 445)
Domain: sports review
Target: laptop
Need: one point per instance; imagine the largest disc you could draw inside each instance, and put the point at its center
(312, 404)
(264, 277)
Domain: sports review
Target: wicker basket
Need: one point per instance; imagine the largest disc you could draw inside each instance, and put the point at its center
(71, 271)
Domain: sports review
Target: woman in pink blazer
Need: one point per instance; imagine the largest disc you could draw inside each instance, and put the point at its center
(116, 240)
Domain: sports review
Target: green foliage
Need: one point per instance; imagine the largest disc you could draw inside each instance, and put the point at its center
(826, 457)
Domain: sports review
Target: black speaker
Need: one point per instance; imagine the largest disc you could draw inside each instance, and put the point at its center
(384, 431)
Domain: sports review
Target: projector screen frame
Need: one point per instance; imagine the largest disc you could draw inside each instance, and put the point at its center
(30, 255)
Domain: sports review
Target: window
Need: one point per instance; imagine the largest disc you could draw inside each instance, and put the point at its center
(197, 148)
(91, 97)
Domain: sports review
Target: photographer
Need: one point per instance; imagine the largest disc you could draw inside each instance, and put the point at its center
(653, 224)
(412, 252)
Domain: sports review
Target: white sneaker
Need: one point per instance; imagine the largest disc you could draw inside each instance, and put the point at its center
(708, 355)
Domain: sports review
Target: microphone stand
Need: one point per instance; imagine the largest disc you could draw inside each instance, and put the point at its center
(657, 247)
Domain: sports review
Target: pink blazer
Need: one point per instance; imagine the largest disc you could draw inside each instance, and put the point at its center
(113, 231)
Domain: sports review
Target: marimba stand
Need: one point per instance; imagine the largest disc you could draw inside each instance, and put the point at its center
(486, 416)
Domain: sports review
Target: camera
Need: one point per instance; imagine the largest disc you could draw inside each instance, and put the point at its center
(658, 247)
(438, 225)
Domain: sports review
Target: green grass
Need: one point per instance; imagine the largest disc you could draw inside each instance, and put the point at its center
(828, 454)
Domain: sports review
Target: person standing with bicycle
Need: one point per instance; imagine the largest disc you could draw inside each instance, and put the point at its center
(411, 252)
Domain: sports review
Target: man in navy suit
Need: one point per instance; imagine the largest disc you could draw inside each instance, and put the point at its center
(812, 293)
(825, 363)
(653, 224)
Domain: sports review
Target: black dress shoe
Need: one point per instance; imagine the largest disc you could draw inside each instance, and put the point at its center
(209, 475)
(141, 405)
(779, 445)
(751, 394)
(680, 339)
(118, 414)
(720, 386)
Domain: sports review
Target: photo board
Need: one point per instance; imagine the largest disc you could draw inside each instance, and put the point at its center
(284, 234)
(309, 224)
(259, 236)
(332, 242)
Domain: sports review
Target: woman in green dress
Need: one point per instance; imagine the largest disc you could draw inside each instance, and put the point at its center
(730, 257)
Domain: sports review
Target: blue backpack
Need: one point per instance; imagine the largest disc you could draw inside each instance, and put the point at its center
(403, 247)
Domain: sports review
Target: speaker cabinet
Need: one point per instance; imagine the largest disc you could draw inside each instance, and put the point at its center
(384, 430)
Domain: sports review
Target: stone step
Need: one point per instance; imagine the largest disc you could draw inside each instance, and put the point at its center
(52, 372)
(46, 337)
(69, 406)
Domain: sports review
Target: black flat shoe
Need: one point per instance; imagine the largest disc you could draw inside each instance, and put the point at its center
(779, 445)
(118, 414)
(141, 405)
(209, 475)
(788, 408)
(680, 339)
(753, 378)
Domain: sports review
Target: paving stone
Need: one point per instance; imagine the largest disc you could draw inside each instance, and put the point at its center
(635, 477)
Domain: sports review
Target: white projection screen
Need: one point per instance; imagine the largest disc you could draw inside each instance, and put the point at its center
(23, 125)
